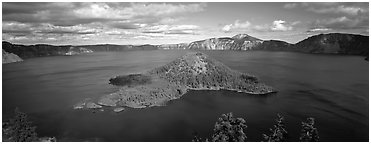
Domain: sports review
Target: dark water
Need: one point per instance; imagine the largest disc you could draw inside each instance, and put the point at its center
(332, 89)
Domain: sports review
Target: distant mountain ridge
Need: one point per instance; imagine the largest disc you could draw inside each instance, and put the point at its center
(40, 50)
(332, 43)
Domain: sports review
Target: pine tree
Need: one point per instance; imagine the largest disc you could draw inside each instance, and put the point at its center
(20, 129)
(308, 132)
(279, 133)
(229, 129)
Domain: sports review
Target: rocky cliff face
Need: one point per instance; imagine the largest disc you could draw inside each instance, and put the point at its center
(10, 57)
(238, 42)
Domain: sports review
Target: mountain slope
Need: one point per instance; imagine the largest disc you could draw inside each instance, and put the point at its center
(334, 43)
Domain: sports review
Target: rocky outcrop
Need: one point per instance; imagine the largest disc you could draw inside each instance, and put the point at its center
(238, 42)
(10, 57)
(193, 71)
(77, 51)
(119, 109)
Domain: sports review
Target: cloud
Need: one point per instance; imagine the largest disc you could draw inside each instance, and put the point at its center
(275, 26)
(16, 27)
(318, 30)
(81, 21)
(67, 14)
(338, 9)
(125, 25)
(280, 25)
(340, 16)
(156, 9)
(236, 26)
(331, 7)
(342, 23)
(290, 5)
(172, 29)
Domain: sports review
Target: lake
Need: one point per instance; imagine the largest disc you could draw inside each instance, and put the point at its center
(331, 88)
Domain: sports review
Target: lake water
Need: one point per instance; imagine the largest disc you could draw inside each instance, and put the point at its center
(332, 89)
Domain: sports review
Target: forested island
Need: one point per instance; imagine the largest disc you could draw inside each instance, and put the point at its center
(193, 71)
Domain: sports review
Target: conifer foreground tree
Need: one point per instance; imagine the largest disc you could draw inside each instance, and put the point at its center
(279, 133)
(229, 129)
(308, 132)
(19, 129)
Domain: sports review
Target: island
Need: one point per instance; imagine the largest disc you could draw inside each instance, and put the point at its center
(193, 71)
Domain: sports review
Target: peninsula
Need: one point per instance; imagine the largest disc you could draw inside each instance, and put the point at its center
(193, 71)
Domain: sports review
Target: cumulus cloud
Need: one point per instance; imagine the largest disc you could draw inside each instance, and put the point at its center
(40, 21)
(237, 25)
(275, 26)
(280, 25)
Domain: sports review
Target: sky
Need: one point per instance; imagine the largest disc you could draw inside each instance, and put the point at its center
(61, 23)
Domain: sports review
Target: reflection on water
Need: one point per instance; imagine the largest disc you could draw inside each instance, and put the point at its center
(333, 89)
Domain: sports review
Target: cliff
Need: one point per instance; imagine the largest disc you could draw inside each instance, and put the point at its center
(238, 42)
(193, 71)
(10, 57)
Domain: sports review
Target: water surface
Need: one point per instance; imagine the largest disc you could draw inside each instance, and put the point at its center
(333, 89)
